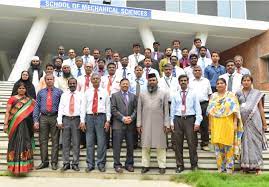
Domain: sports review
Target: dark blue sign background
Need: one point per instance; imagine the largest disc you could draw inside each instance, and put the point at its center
(95, 8)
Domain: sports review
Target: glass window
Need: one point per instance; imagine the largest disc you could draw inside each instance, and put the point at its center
(188, 6)
(257, 10)
(238, 9)
(208, 7)
(151, 4)
(224, 8)
(172, 5)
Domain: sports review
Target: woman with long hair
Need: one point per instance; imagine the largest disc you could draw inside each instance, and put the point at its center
(18, 124)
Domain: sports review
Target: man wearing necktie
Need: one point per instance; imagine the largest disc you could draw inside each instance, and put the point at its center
(203, 61)
(123, 109)
(186, 117)
(176, 49)
(96, 105)
(58, 61)
(157, 54)
(70, 119)
(78, 70)
(44, 116)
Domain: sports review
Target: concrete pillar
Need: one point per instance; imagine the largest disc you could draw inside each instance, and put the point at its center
(29, 47)
(202, 36)
(5, 65)
(146, 36)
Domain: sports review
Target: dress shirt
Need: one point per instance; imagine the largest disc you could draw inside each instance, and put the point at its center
(236, 86)
(74, 71)
(101, 73)
(169, 85)
(133, 61)
(87, 59)
(189, 72)
(64, 106)
(129, 73)
(81, 83)
(184, 62)
(143, 85)
(55, 73)
(192, 106)
(212, 73)
(243, 71)
(207, 62)
(151, 70)
(196, 51)
(62, 83)
(201, 86)
(41, 102)
(115, 87)
(118, 65)
(179, 71)
(103, 102)
(177, 52)
(71, 62)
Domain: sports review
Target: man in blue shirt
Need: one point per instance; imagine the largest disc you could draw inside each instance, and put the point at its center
(213, 71)
(186, 117)
(45, 116)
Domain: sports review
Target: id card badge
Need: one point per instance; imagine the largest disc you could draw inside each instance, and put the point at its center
(243, 105)
(183, 109)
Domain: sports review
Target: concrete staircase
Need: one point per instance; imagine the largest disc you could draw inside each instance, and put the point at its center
(206, 159)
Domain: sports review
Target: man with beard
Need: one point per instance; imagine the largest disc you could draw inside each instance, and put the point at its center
(70, 117)
(189, 69)
(186, 117)
(62, 82)
(58, 61)
(238, 61)
(35, 72)
(166, 60)
(153, 123)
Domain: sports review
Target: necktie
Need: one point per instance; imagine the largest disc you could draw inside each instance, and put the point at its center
(87, 82)
(147, 73)
(58, 74)
(174, 72)
(79, 72)
(125, 96)
(183, 102)
(124, 73)
(86, 60)
(137, 88)
(203, 63)
(109, 85)
(95, 101)
(136, 58)
(230, 83)
(177, 53)
(72, 104)
(49, 100)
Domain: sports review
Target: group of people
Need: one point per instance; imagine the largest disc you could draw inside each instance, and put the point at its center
(89, 100)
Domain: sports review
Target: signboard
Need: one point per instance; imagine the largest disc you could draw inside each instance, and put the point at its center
(95, 8)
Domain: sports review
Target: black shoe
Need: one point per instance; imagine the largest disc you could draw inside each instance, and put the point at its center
(42, 165)
(118, 169)
(194, 168)
(130, 168)
(102, 169)
(179, 169)
(162, 171)
(89, 169)
(65, 167)
(54, 166)
(144, 169)
(75, 168)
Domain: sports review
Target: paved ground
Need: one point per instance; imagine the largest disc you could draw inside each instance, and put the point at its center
(79, 182)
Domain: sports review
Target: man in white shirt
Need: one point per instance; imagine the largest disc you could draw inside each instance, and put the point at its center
(135, 57)
(203, 61)
(176, 70)
(70, 119)
(96, 105)
(176, 49)
(124, 71)
(238, 61)
(78, 70)
(202, 88)
(233, 79)
(148, 69)
(109, 82)
(84, 82)
(197, 42)
(71, 60)
(189, 70)
(96, 57)
(168, 83)
(116, 60)
(87, 58)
